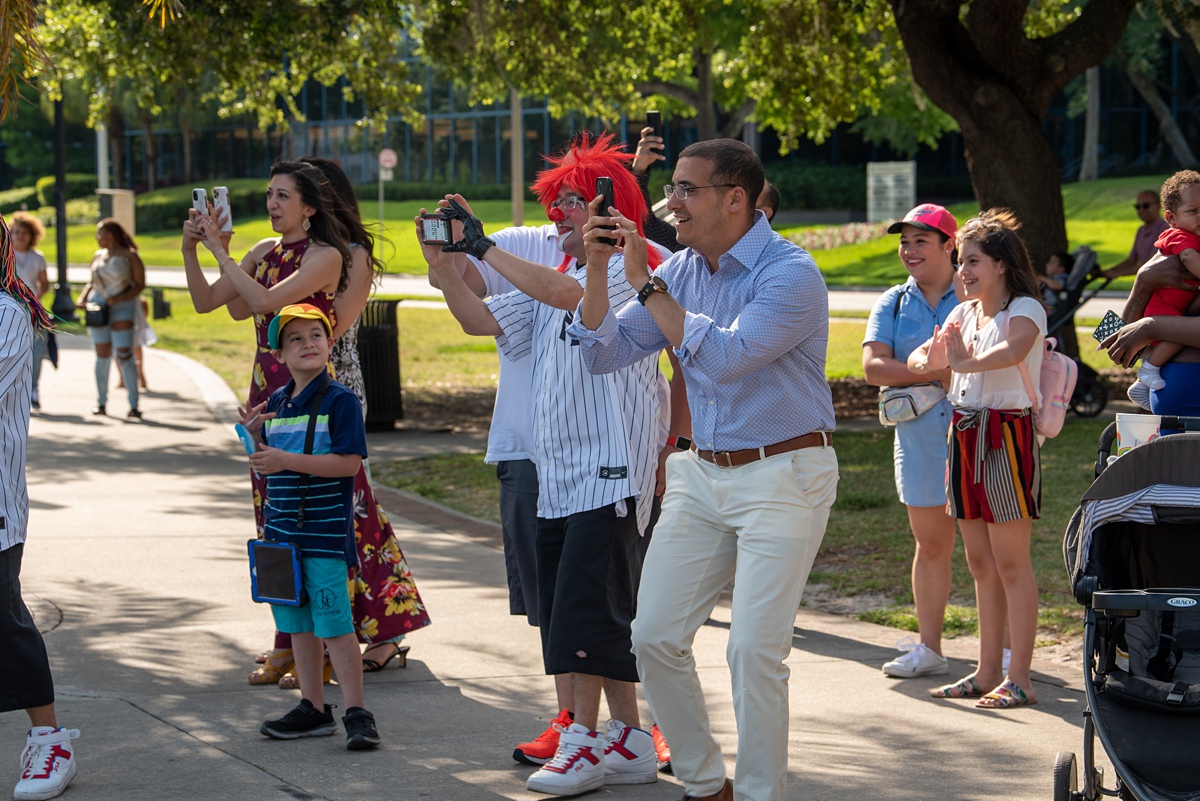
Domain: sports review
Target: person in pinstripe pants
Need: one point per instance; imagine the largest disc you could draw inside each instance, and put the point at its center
(48, 761)
(595, 447)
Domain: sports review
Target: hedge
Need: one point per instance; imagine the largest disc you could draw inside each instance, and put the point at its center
(401, 191)
(168, 208)
(819, 186)
(13, 199)
(79, 184)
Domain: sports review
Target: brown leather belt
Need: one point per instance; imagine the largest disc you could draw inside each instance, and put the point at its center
(739, 458)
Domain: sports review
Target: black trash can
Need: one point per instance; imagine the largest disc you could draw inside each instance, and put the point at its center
(379, 355)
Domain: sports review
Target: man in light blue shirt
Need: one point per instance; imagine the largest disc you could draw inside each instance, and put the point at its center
(748, 316)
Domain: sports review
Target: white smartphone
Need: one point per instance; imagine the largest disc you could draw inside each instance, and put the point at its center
(221, 203)
(200, 201)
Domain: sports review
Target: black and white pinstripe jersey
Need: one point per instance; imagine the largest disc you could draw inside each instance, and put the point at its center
(16, 383)
(594, 435)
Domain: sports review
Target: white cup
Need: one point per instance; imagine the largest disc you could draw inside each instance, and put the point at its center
(1136, 429)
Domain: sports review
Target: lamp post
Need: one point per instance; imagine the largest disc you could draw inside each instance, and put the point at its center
(63, 305)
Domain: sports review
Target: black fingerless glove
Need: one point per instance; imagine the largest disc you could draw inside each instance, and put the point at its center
(474, 241)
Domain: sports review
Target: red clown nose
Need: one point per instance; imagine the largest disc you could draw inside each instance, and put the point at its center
(556, 214)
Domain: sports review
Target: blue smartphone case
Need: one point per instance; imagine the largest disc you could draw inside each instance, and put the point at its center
(275, 576)
(245, 437)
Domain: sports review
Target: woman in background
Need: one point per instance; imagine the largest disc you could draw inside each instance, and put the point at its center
(25, 233)
(118, 278)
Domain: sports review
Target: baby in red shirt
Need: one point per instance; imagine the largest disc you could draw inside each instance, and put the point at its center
(1181, 202)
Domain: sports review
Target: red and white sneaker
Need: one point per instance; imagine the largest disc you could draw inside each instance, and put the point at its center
(629, 757)
(541, 750)
(47, 763)
(661, 749)
(577, 766)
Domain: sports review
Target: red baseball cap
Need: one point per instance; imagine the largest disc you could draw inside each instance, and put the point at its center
(928, 217)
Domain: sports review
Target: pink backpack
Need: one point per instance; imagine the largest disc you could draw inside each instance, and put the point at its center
(1057, 383)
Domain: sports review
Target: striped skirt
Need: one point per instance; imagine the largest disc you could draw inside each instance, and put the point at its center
(994, 470)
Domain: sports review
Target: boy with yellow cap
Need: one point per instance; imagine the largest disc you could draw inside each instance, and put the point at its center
(311, 444)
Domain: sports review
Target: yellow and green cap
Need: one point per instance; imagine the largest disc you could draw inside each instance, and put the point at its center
(295, 311)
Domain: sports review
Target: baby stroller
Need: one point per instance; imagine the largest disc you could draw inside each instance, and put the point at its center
(1133, 555)
(1090, 396)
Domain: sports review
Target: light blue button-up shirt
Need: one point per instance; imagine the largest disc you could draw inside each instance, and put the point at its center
(754, 341)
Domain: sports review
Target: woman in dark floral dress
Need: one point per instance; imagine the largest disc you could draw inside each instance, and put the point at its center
(311, 262)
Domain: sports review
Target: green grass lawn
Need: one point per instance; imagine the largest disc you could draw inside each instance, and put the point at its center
(1099, 214)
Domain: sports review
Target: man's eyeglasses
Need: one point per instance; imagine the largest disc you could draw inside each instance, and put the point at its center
(681, 192)
(1143, 206)
(569, 203)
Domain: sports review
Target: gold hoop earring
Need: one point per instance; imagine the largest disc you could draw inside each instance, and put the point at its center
(306, 224)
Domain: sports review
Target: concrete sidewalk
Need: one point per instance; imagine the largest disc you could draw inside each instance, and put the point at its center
(136, 570)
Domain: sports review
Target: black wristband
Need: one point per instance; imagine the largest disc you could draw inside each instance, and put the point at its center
(480, 246)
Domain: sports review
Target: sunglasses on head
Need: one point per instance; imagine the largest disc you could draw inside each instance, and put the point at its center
(1143, 206)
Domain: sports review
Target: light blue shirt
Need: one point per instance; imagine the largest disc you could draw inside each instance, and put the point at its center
(903, 320)
(754, 341)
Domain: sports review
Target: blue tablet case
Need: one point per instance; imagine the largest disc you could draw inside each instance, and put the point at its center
(275, 576)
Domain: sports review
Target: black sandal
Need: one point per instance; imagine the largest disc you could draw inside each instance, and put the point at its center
(371, 666)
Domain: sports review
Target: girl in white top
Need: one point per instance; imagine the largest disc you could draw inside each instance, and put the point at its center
(993, 479)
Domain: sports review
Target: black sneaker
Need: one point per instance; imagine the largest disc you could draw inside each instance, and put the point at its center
(303, 721)
(360, 729)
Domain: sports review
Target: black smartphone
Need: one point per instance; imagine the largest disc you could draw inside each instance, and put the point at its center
(604, 189)
(654, 120)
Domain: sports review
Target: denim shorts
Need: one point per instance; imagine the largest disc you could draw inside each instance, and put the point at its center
(327, 611)
(919, 453)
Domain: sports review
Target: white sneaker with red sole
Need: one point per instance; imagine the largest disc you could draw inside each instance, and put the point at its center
(47, 763)
(577, 766)
(629, 757)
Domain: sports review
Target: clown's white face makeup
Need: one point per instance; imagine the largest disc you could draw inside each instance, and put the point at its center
(572, 214)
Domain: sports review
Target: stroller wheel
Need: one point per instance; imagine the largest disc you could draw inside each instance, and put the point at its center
(1090, 396)
(1066, 781)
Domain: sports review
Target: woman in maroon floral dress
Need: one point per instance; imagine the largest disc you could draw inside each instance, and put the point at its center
(312, 261)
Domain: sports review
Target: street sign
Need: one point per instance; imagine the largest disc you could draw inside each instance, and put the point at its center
(388, 158)
(385, 174)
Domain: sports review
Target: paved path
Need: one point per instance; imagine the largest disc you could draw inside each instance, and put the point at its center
(136, 570)
(840, 300)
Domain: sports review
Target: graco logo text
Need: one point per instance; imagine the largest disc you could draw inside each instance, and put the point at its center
(1184, 602)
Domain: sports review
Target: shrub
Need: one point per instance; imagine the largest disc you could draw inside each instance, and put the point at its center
(79, 184)
(166, 209)
(80, 211)
(819, 186)
(14, 199)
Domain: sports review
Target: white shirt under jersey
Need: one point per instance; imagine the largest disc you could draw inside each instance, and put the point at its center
(16, 384)
(595, 436)
(511, 434)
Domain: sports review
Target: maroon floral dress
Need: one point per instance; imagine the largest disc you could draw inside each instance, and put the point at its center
(384, 596)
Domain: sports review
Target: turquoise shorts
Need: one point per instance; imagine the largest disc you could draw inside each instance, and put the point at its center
(327, 611)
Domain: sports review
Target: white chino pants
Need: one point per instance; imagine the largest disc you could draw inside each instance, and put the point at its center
(761, 525)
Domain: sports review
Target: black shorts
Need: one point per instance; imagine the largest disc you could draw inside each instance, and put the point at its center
(589, 565)
(23, 663)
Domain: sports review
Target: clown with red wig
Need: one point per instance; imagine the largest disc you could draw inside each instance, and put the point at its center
(594, 440)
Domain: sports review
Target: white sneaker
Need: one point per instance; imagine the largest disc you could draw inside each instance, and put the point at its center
(917, 660)
(1004, 662)
(576, 767)
(629, 757)
(47, 763)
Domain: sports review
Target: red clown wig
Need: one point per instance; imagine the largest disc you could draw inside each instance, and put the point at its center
(585, 160)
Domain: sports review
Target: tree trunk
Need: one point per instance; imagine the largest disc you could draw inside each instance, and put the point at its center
(116, 140)
(151, 148)
(1166, 123)
(1089, 169)
(706, 112)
